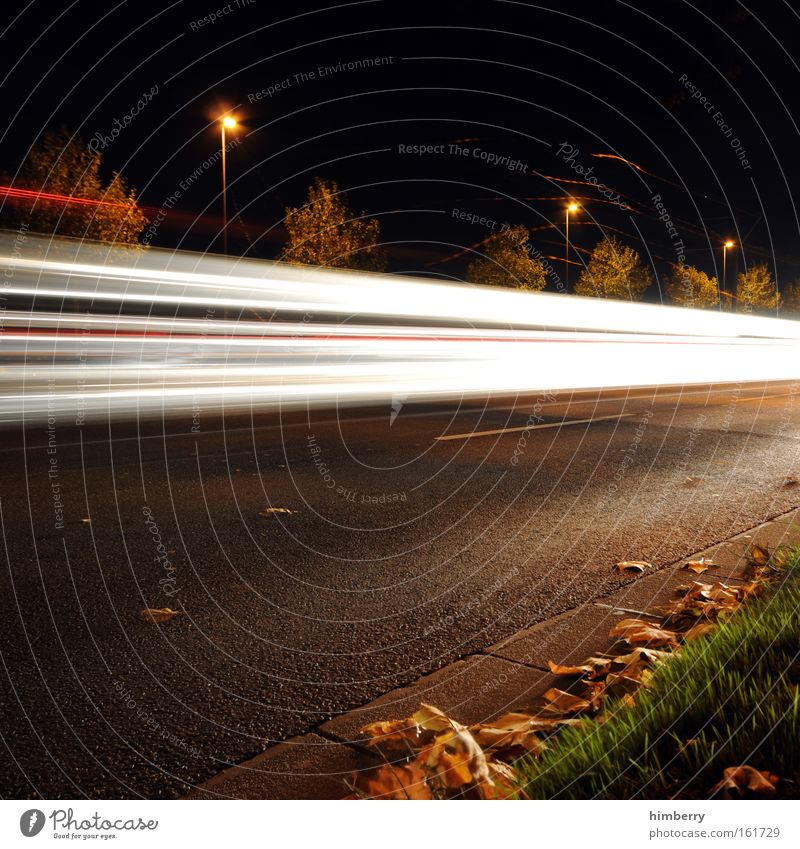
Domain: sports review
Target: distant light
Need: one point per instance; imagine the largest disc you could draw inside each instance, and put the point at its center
(228, 122)
(573, 207)
(729, 244)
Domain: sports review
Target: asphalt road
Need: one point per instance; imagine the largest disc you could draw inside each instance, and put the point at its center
(402, 552)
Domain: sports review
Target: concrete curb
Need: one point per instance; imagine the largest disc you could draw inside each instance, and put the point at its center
(503, 677)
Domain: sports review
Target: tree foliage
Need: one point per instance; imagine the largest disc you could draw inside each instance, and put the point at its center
(756, 289)
(614, 271)
(61, 164)
(327, 232)
(507, 261)
(790, 302)
(691, 287)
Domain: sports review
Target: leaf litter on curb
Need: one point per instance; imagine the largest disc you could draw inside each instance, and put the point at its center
(435, 757)
(699, 566)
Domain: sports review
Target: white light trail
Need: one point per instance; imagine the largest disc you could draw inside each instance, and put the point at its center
(315, 337)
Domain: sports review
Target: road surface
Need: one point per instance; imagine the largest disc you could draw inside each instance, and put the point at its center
(411, 536)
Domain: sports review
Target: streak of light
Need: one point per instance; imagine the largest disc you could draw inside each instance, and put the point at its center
(31, 194)
(627, 162)
(333, 338)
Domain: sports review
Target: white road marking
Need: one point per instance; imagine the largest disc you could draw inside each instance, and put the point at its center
(764, 397)
(532, 427)
(502, 430)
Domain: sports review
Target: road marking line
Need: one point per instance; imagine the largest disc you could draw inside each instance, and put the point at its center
(763, 397)
(532, 427)
(579, 402)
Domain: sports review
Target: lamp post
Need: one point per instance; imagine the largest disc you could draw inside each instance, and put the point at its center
(728, 244)
(572, 207)
(227, 123)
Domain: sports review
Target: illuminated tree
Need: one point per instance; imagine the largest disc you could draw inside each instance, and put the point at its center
(60, 164)
(614, 271)
(756, 289)
(790, 302)
(691, 287)
(507, 261)
(327, 232)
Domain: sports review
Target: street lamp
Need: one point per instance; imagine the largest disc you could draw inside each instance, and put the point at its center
(728, 244)
(572, 207)
(227, 123)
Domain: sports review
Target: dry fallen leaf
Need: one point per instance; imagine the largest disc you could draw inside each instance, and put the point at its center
(456, 758)
(159, 614)
(789, 481)
(758, 554)
(633, 566)
(516, 731)
(781, 557)
(403, 733)
(700, 566)
(515, 723)
(394, 782)
(498, 740)
(722, 593)
(502, 782)
(583, 669)
(624, 682)
(641, 655)
(432, 719)
(271, 511)
(641, 632)
(565, 702)
(698, 630)
(738, 779)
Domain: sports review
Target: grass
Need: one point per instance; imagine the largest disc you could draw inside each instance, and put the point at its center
(730, 698)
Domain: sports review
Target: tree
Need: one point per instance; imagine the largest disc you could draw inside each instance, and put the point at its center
(614, 271)
(60, 164)
(790, 302)
(327, 232)
(507, 261)
(756, 289)
(691, 287)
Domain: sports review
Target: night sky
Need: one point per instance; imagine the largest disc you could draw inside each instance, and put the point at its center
(516, 99)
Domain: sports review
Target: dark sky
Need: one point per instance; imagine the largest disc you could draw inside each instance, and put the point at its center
(530, 82)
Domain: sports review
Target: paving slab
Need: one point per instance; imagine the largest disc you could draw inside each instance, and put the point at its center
(730, 558)
(307, 767)
(790, 518)
(651, 593)
(470, 690)
(770, 534)
(566, 639)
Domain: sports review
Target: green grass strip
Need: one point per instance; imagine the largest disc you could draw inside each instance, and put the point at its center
(730, 698)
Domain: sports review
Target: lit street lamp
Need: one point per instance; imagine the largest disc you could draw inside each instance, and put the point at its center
(227, 123)
(572, 207)
(728, 244)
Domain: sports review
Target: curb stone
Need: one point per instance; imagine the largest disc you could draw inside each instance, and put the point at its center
(505, 676)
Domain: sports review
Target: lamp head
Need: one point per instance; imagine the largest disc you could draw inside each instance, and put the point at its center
(573, 207)
(228, 122)
(729, 244)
